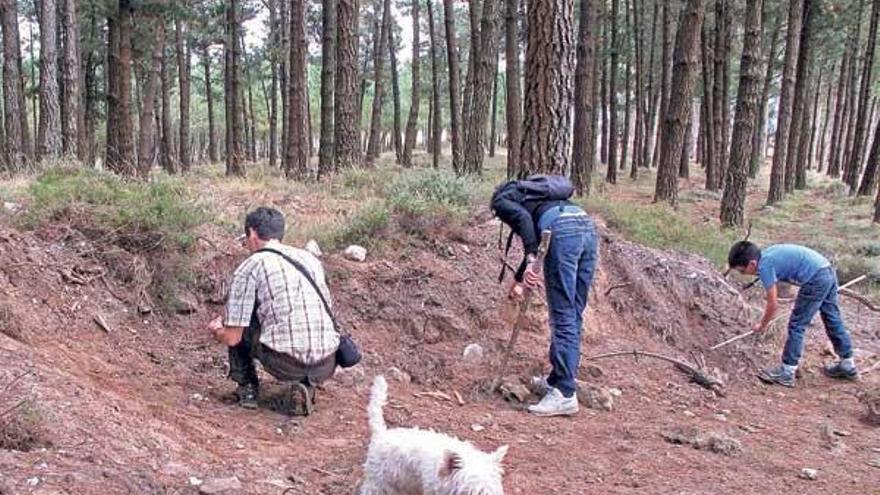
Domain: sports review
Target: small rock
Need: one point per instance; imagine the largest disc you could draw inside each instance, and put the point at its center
(350, 377)
(220, 485)
(465, 249)
(186, 304)
(594, 397)
(477, 428)
(719, 444)
(809, 474)
(239, 446)
(355, 253)
(594, 371)
(193, 481)
(398, 375)
(144, 310)
(615, 392)
(512, 389)
(473, 354)
(843, 433)
(33, 481)
(11, 207)
(720, 417)
(198, 397)
(874, 463)
(313, 247)
(689, 414)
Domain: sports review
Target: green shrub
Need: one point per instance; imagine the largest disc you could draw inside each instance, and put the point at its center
(430, 191)
(162, 209)
(361, 228)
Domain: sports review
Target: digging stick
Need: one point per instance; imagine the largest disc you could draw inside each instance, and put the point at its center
(731, 340)
(521, 311)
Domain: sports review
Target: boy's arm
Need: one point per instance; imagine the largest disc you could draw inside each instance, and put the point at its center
(769, 309)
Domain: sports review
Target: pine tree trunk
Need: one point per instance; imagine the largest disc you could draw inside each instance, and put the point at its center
(147, 116)
(611, 175)
(869, 181)
(604, 62)
(454, 88)
(493, 116)
(684, 169)
(412, 121)
(232, 88)
(347, 116)
(474, 7)
(120, 134)
(328, 73)
(718, 101)
(666, 74)
(49, 133)
(183, 76)
(283, 76)
(209, 98)
(734, 199)
(513, 103)
(275, 40)
(650, 101)
(784, 121)
(757, 158)
(837, 130)
(684, 76)
(801, 97)
(434, 120)
(814, 123)
(709, 126)
(549, 77)
(15, 120)
(373, 145)
(852, 101)
(166, 159)
(395, 91)
(70, 125)
(297, 163)
(823, 135)
(481, 94)
(583, 156)
(725, 92)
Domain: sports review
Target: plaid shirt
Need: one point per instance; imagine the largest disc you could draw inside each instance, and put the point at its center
(291, 314)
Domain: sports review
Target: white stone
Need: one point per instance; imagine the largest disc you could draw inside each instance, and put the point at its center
(477, 428)
(313, 247)
(615, 392)
(193, 481)
(221, 485)
(398, 375)
(809, 474)
(355, 253)
(473, 354)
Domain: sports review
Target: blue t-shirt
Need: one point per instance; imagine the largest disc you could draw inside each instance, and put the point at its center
(789, 263)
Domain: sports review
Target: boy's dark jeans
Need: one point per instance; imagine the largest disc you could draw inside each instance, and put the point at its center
(282, 366)
(568, 272)
(819, 295)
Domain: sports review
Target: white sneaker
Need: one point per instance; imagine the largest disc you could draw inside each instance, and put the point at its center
(555, 404)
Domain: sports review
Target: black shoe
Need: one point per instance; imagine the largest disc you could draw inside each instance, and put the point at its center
(247, 395)
(841, 372)
(777, 376)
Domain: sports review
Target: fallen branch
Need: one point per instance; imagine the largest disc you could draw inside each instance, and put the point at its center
(615, 287)
(731, 340)
(435, 395)
(860, 298)
(12, 409)
(700, 377)
(99, 320)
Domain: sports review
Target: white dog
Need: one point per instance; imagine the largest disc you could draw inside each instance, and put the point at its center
(409, 461)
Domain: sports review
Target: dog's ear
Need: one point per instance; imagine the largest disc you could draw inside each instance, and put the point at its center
(499, 454)
(450, 464)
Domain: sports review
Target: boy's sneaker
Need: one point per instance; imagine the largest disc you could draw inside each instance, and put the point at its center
(841, 371)
(555, 404)
(777, 376)
(247, 395)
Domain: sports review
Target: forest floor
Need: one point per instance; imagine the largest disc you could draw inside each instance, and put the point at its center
(117, 388)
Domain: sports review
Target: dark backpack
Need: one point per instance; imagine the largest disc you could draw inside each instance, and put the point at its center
(536, 187)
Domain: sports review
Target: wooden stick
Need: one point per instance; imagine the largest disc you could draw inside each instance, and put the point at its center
(853, 281)
(99, 320)
(731, 340)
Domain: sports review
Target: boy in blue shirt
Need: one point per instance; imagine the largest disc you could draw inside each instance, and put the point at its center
(810, 270)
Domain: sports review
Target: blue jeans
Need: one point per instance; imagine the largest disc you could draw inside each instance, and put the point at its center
(819, 295)
(568, 273)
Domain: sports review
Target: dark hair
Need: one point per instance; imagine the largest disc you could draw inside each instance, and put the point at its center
(268, 223)
(742, 253)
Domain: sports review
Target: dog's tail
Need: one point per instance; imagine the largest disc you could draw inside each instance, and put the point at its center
(378, 398)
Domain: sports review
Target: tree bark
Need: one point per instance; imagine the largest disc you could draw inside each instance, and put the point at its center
(665, 73)
(297, 163)
(473, 56)
(801, 100)
(454, 88)
(604, 62)
(120, 132)
(627, 90)
(395, 92)
(583, 154)
(49, 133)
(166, 154)
(493, 116)
(757, 158)
(611, 175)
(373, 145)
(513, 103)
(709, 126)
(549, 77)
(283, 79)
(784, 121)
(840, 119)
(18, 147)
(869, 180)
(434, 121)
(347, 114)
(328, 73)
(412, 121)
(234, 108)
(684, 166)
(823, 134)
(481, 93)
(72, 113)
(183, 75)
(147, 116)
(852, 104)
(734, 198)
(683, 79)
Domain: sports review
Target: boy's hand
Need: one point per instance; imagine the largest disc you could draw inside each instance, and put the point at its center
(517, 292)
(758, 327)
(216, 324)
(531, 279)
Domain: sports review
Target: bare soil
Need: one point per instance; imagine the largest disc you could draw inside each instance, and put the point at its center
(143, 407)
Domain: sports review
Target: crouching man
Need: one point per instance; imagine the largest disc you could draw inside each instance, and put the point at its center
(275, 314)
(818, 293)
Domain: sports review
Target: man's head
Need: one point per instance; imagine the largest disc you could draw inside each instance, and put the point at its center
(744, 257)
(263, 225)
